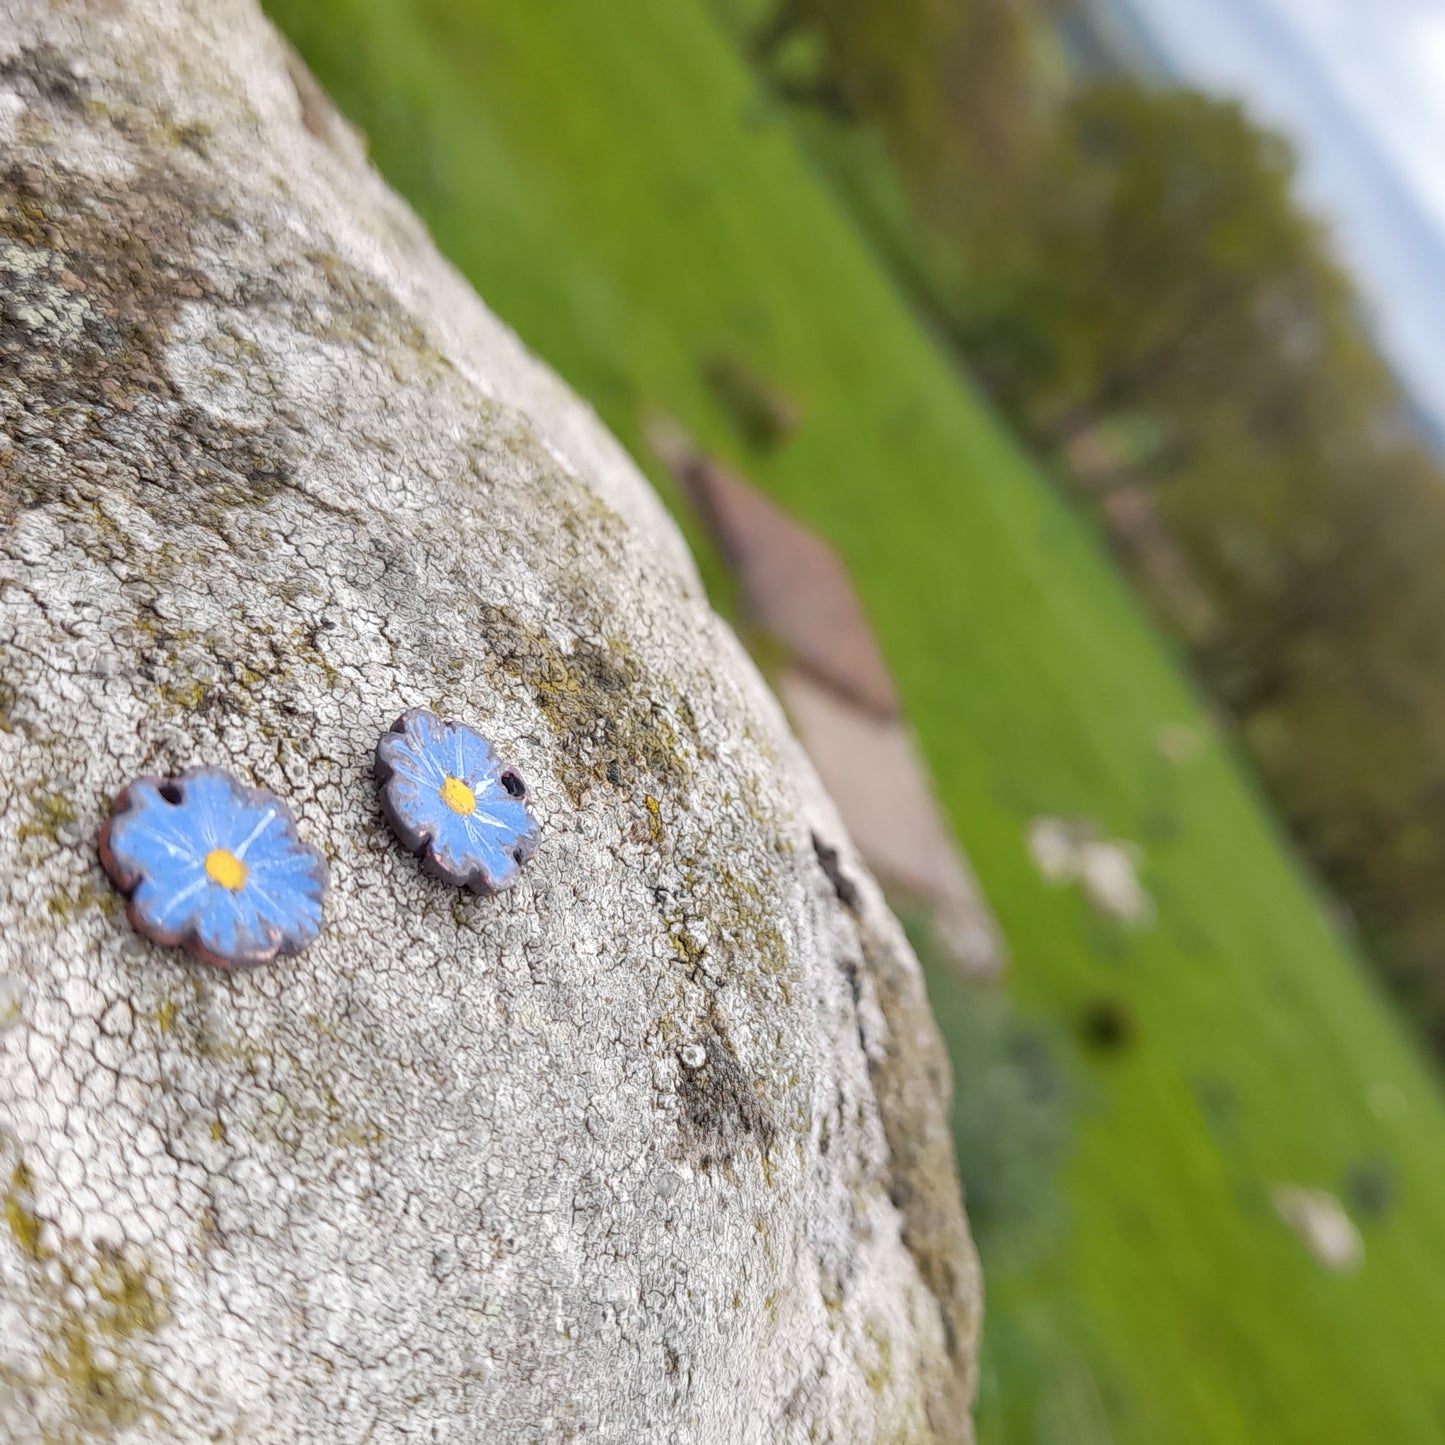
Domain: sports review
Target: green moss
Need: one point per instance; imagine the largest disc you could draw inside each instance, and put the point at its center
(115, 1395)
(188, 696)
(743, 904)
(688, 950)
(194, 135)
(99, 1398)
(25, 1224)
(878, 1372)
(604, 707)
(367, 311)
(133, 1302)
(106, 1386)
(357, 1135)
(50, 813)
(65, 906)
(655, 830)
(769, 1167)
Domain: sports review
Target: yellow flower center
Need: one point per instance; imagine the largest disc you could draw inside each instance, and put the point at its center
(223, 867)
(458, 797)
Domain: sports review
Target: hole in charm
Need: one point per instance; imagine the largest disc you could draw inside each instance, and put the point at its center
(514, 785)
(171, 792)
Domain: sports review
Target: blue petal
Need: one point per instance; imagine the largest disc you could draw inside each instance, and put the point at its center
(262, 920)
(250, 829)
(211, 802)
(217, 922)
(503, 817)
(407, 758)
(497, 863)
(167, 903)
(476, 763)
(416, 792)
(493, 832)
(152, 851)
(288, 866)
(428, 736)
(152, 836)
(421, 808)
(451, 845)
(287, 893)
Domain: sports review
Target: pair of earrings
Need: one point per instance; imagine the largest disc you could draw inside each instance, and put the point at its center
(211, 865)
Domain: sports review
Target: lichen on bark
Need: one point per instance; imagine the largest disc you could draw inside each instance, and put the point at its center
(653, 1148)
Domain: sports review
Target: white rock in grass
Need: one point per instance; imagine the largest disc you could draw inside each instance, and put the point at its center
(1054, 847)
(1107, 872)
(1109, 876)
(1320, 1220)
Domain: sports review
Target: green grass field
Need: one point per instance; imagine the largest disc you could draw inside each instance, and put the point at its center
(612, 182)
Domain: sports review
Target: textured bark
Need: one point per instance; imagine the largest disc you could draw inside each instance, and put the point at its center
(270, 474)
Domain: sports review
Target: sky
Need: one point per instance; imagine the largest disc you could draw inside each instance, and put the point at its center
(1360, 87)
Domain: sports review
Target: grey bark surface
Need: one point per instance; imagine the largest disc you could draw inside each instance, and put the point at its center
(653, 1148)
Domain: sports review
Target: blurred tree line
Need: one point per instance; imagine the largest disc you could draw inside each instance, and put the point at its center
(1128, 271)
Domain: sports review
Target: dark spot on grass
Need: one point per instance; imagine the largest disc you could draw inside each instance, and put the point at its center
(759, 413)
(1371, 1188)
(1108, 1026)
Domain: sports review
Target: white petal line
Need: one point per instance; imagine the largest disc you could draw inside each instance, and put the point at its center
(405, 748)
(181, 897)
(239, 853)
(294, 855)
(408, 769)
(174, 849)
(160, 829)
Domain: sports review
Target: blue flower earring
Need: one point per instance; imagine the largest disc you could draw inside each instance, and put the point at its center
(451, 800)
(213, 866)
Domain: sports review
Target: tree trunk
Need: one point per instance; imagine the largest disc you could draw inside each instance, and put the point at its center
(269, 475)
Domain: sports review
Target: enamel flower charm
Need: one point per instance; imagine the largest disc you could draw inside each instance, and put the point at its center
(449, 798)
(214, 866)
